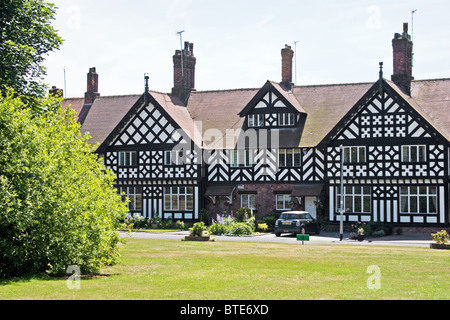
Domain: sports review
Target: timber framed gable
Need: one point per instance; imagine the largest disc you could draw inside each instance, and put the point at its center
(380, 115)
(144, 152)
(394, 162)
(272, 107)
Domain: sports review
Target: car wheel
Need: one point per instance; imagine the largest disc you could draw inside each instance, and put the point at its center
(318, 229)
(277, 234)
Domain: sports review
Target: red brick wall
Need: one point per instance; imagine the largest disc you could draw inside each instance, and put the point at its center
(265, 201)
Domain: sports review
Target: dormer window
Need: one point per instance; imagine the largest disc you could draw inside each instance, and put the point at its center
(270, 120)
(255, 120)
(272, 107)
(286, 119)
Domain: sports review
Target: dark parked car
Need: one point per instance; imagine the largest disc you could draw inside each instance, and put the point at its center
(296, 222)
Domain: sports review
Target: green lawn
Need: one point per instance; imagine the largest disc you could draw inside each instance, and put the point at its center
(164, 269)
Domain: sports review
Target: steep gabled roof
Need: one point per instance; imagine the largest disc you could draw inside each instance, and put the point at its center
(76, 104)
(179, 113)
(225, 110)
(218, 111)
(394, 91)
(284, 94)
(433, 97)
(324, 105)
(108, 115)
(433, 109)
(105, 114)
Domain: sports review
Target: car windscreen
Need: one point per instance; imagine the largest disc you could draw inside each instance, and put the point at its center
(293, 216)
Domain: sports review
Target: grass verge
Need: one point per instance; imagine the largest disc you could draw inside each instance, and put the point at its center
(166, 269)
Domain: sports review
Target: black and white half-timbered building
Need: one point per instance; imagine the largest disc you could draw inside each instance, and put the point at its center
(281, 146)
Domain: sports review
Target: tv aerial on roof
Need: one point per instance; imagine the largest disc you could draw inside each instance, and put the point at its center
(180, 33)
(412, 33)
(295, 59)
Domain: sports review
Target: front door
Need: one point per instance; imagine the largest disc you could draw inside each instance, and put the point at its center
(310, 206)
(223, 207)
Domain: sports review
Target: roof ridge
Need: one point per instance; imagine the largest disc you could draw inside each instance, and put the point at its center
(334, 84)
(435, 79)
(120, 95)
(225, 90)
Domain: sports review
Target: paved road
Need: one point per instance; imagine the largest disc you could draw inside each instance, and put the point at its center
(414, 240)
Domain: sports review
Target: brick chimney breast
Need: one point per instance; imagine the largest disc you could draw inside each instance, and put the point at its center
(92, 86)
(184, 72)
(286, 65)
(402, 48)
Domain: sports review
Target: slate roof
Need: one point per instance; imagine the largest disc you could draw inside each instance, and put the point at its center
(76, 104)
(325, 106)
(179, 113)
(105, 114)
(213, 112)
(433, 96)
(218, 111)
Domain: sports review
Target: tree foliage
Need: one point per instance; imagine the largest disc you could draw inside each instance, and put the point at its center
(26, 38)
(58, 206)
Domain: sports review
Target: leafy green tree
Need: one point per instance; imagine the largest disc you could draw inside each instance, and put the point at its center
(58, 206)
(26, 37)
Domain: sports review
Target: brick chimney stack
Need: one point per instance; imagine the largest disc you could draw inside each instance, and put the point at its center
(402, 46)
(286, 66)
(92, 87)
(184, 72)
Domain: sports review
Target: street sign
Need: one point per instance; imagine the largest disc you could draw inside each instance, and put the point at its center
(303, 237)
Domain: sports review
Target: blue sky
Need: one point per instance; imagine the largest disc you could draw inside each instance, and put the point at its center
(238, 43)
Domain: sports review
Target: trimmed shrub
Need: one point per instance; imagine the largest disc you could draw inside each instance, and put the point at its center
(231, 226)
(241, 229)
(197, 229)
(440, 236)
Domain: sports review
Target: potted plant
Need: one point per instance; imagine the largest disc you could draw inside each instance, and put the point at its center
(153, 223)
(360, 234)
(441, 240)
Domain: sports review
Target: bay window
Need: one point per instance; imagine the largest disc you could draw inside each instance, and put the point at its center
(418, 199)
(179, 198)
